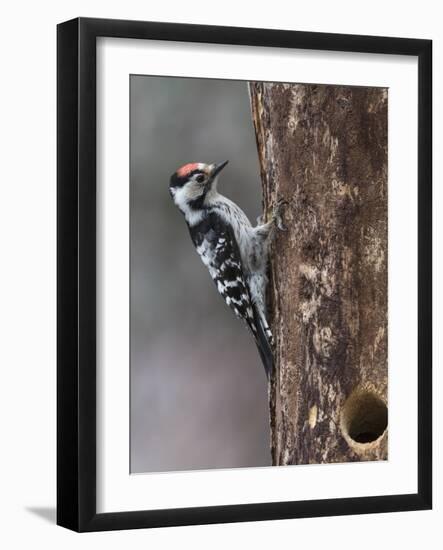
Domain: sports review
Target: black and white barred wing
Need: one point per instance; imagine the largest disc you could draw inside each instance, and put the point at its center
(218, 249)
(217, 246)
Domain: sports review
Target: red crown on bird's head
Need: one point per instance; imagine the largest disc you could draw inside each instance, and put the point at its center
(187, 169)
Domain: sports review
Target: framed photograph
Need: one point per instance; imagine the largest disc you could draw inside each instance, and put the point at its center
(244, 274)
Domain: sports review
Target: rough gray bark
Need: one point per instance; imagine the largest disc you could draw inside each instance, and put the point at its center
(323, 149)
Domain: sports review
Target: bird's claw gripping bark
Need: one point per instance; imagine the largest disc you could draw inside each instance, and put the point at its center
(277, 214)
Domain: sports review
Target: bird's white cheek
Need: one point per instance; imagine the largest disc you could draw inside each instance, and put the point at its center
(178, 197)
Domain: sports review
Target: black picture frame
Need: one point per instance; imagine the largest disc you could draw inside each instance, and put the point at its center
(76, 280)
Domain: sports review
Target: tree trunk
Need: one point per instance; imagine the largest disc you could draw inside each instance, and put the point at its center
(323, 149)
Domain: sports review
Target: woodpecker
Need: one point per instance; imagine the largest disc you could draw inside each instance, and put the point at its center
(235, 252)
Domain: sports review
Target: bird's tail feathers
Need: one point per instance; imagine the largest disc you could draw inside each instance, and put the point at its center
(263, 339)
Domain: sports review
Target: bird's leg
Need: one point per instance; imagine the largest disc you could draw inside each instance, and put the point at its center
(264, 229)
(276, 221)
(266, 232)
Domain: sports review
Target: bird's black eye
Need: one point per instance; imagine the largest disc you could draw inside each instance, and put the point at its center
(200, 178)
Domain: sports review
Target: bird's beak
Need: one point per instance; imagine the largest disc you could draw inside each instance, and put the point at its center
(218, 168)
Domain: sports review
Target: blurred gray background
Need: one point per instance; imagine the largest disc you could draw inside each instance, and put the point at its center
(198, 389)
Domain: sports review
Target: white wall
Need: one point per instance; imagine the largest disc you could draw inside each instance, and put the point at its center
(27, 303)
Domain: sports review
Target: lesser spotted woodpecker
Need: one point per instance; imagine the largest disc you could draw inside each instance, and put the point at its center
(235, 252)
